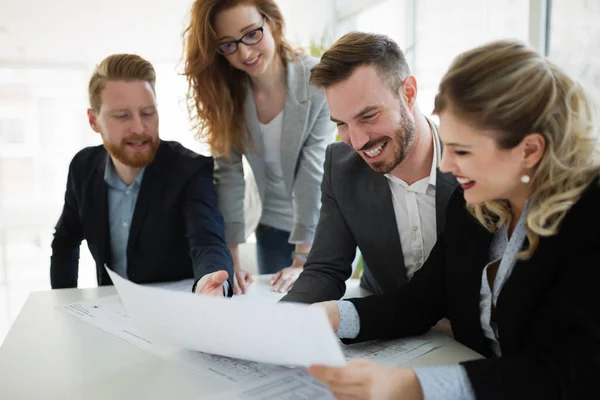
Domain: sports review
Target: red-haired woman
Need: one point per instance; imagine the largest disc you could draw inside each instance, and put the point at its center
(249, 95)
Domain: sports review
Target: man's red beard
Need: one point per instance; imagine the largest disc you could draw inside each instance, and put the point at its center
(130, 157)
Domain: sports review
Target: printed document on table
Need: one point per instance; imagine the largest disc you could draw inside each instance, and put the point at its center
(390, 353)
(109, 314)
(296, 384)
(275, 333)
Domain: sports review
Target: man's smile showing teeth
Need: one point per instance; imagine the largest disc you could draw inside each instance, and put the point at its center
(464, 181)
(375, 151)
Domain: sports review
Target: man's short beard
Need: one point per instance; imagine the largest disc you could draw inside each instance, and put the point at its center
(403, 139)
(138, 160)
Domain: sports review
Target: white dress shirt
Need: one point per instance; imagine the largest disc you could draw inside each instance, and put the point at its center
(414, 207)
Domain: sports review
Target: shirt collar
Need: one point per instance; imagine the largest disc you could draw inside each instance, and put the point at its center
(112, 178)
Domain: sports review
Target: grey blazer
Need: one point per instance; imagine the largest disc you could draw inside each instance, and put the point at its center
(357, 210)
(307, 130)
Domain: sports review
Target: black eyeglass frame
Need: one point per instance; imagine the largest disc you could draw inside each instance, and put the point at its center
(260, 29)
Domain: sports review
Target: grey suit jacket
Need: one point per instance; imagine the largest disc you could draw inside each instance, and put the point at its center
(307, 130)
(357, 210)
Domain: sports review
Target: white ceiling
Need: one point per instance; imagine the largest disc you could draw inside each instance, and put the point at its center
(85, 31)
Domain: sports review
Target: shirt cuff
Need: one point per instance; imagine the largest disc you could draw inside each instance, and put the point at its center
(225, 288)
(446, 382)
(349, 320)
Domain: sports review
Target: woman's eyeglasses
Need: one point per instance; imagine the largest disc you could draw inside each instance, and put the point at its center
(249, 39)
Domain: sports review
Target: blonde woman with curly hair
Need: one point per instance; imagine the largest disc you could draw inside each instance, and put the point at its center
(249, 95)
(516, 269)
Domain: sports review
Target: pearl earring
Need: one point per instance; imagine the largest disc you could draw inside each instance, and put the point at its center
(525, 179)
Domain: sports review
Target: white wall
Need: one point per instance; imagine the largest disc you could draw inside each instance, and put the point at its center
(308, 20)
(347, 8)
(85, 31)
(75, 35)
(69, 31)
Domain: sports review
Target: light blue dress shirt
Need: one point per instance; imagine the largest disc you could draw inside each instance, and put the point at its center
(451, 382)
(121, 204)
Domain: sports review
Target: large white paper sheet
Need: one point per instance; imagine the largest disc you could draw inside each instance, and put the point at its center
(109, 314)
(280, 333)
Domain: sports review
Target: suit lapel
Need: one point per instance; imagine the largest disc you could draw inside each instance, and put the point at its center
(100, 216)
(151, 188)
(520, 296)
(444, 187)
(445, 182)
(470, 259)
(382, 216)
(250, 113)
(295, 116)
(254, 144)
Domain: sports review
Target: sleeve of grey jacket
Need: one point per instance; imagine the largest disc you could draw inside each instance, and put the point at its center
(329, 263)
(230, 186)
(307, 185)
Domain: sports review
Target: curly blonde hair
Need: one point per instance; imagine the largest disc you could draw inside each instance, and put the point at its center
(509, 89)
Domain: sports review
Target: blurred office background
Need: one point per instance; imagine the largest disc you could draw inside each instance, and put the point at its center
(48, 50)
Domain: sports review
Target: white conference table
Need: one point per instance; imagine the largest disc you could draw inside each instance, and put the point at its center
(49, 354)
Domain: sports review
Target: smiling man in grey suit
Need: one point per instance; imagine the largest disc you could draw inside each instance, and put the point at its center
(381, 189)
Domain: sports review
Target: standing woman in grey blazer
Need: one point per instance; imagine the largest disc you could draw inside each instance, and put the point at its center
(249, 95)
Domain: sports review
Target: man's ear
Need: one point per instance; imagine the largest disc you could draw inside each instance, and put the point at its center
(409, 91)
(93, 120)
